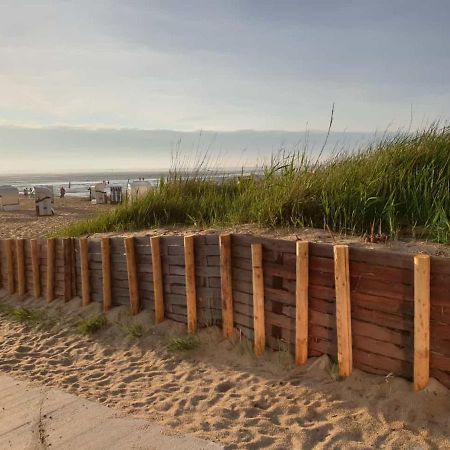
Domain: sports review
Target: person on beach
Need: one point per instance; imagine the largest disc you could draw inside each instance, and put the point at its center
(62, 192)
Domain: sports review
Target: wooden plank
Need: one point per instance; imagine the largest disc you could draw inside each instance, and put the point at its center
(20, 263)
(258, 299)
(8, 248)
(191, 295)
(35, 264)
(84, 266)
(343, 309)
(226, 284)
(302, 288)
(132, 275)
(421, 321)
(68, 261)
(51, 244)
(158, 282)
(106, 273)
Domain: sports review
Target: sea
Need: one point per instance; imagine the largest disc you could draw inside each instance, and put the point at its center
(78, 184)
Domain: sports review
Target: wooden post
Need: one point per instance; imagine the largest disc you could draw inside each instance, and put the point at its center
(157, 278)
(191, 293)
(84, 263)
(68, 259)
(106, 274)
(132, 275)
(51, 243)
(8, 246)
(343, 310)
(226, 285)
(258, 300)
(35, 266)
(20, 262)
(421, 321)
(301, 296)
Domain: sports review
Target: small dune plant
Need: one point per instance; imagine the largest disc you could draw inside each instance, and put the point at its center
(134, 331)
(92, 325)
(183, 343)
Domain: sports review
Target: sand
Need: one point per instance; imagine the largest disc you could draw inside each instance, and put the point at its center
(220, 391)
(25, 224)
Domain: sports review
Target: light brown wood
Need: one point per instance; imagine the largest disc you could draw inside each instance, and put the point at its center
(258, 300)
(226, 284)
(301, 297)
(8, 247)
(84, 267)
(106, 273)
(421, 321)
(68, 259)
(191, 292)
(133, 287)
(343, 310)
(35, 267)
(51, 245)
(157, 278)
(20, 263)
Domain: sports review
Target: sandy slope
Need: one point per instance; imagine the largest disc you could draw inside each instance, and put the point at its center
(221, 391)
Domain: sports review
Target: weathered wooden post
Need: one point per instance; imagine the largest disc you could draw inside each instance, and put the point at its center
(301, 296)
(343, 310)
(258, 300)
(421, 321)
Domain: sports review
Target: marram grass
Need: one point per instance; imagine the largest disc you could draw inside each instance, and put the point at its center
(398, 186)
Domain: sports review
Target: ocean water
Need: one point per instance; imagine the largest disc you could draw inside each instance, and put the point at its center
(77, 184)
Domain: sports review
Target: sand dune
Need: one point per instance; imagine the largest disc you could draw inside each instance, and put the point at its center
(220, 391)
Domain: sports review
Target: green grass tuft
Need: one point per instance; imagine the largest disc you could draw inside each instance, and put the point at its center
(92, 325)
(133, 331)
(183, 344)
(399, 186)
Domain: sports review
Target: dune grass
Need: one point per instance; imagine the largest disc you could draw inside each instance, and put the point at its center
(400, 185)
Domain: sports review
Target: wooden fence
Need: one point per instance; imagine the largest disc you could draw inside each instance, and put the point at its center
(378, 311)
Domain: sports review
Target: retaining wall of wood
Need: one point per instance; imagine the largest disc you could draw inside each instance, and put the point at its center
(382, 294)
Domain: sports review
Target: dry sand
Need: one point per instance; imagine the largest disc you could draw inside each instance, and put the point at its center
(25, 224)
(220, 391)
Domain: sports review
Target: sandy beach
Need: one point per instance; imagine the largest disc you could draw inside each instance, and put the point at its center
(220, 391)
(25, 224)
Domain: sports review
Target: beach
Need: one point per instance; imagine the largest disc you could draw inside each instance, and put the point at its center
(24, 223)
(220, 391)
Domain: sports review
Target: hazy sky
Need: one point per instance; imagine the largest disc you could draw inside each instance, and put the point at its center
(190, 65)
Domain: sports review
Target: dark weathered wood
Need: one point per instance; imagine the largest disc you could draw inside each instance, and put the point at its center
(226, 284)
(158, 282)
(36, 267)
(51, 247)
(191, 295)
(132, 275)
(106, 273)
(84, 267)
(68, 270)
(9, 254)
(20, 264)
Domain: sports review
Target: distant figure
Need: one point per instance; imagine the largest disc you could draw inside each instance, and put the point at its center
(69, 184)
(62, 192)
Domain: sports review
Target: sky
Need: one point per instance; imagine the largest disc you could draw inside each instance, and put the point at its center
(83, 68)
